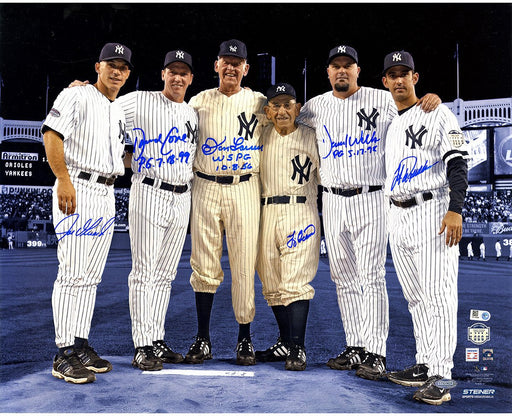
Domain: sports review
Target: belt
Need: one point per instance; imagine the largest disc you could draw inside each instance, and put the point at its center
(283, 199)
(226, 180)
(427, 196)
(101, 179)
(351, 192)
(179, 189)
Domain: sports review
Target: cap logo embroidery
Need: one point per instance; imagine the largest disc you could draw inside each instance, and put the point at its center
(281, 88)
(342, 49)
(119, 49)
(397, 57)
(180, 55)
(232, 48)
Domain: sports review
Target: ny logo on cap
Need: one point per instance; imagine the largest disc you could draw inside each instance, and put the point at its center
(397, 57)
(119, 49)
(180, 55)
(342, 49)
(232, 48)
(281, 88)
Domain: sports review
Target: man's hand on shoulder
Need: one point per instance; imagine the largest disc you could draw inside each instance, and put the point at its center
(77, 83)
(429, 102)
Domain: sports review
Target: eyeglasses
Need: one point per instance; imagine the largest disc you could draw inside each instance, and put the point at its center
(287, 106)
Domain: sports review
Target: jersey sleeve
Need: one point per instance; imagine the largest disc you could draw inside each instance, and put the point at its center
(128, 104)
(306, 115)
(195, 101)
(453, 144)
(63, 117)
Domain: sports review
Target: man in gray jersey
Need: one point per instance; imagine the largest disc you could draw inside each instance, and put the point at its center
(351, 124)
(426, 182)
(84, 137)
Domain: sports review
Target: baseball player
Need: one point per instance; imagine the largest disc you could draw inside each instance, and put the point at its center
(84, 137)
(163, 131)
(351, 124)
(470, 250)
(497, 246)
(426, 181)
(482, 250)
(226, 198)
(290, 226)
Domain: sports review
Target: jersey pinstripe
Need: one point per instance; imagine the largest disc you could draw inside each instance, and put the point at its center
(93, 132)
(164, 135)
(417, 149)
(228, 144)
(229, 131)
(351, 134)
(84, 112)
(289, 233)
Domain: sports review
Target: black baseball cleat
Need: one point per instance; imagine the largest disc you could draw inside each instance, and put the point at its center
(90, 359)
(276, 352)
(373, 367)
(146, 360)
(348, 359)
(165, 353)
(69, 368)
(245, 353)
(199, 351)
(414, 376)
(296, 359)
(431, 394)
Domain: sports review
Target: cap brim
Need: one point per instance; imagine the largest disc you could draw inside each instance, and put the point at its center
(340, 54)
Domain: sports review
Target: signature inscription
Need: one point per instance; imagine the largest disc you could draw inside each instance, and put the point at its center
(405, 174)
(91, 228)
(301, 236)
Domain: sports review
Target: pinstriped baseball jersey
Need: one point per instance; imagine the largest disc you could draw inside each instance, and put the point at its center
(164, 135)
(229, 141)
(351, 134)
(418, 148)
(289, 233)
(93, 128)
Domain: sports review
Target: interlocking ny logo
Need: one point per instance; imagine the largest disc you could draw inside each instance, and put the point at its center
(180, 55)
(369, 120)
(119, 49)
(245, 125)
(122, 132)
(192, 133)
(303, 170)
(233, 48)
(342, 49)
(281, 88)
(416, 138)
(397, 57)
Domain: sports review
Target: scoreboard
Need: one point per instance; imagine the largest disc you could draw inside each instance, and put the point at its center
(24, 163)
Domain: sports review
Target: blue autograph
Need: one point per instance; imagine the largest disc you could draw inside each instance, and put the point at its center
(336, 148)
(90, 228)
(172, 136)
(404, 174)
(210, 146)
(302, 235)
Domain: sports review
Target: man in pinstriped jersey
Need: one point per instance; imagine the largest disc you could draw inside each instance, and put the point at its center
(426, 181)
(84, 137)
(351, 124)
(226, 198)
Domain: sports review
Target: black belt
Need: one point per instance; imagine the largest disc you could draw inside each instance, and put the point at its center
(427, 196)
(101, 179)
(179, 189)
(226, 180)
(351, 192)
(282, 199)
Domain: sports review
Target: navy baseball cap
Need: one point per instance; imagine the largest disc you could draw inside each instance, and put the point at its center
(116, 51)
(342, 50)
(178, 55)
(282, 88)
(398, 58)
(233, 47)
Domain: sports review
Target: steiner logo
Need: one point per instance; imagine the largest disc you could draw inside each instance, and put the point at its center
(478, 393)
(479, 334)
(34, 157)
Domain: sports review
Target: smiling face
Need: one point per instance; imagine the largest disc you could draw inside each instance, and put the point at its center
(282, 111)
(343, 73)
(231, 70)
(177, 76)
(400, 81)
(112, 75)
